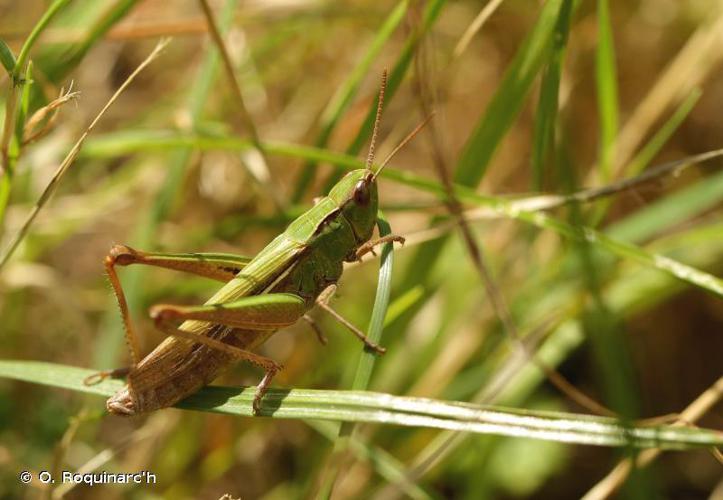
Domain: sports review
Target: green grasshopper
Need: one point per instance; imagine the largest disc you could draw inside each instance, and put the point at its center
(296, 271)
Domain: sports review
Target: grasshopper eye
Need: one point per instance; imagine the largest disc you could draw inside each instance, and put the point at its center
(361, 193)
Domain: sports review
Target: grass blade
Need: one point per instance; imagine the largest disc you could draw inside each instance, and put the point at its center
(367, 359)
(360, 406)
(546, 117)
(607, 92)
(508, 100)
(345, 93)
(24, 54)
(431, 13)
(7, 58)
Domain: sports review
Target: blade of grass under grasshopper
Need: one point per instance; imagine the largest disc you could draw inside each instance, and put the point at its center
(111, 339)
(431, 13)
(546, 116)
(366, 359)
(360, 406)
(345, 93)
(607, 92)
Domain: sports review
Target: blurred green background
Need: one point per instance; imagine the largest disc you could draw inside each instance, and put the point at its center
(530, 98)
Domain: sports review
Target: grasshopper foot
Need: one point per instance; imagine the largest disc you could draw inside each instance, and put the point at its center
(368, 247)
(374, 347)
(98, 377)
(262, 388)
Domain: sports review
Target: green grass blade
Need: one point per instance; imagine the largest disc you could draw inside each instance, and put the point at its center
(622, 249)
(24, 54)
(546, 117)
(490, 130)
(387, 466)
(607, 92)
(360, 406)
(379, 312)
(670, 211)
(344, 95)
(656, 143)
(58, 66)
(367, 358)
(7, 58)
(24, 104)
(508, 100)
(139, 141)
(431, 13)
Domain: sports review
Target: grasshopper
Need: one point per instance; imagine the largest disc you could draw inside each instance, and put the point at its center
(296, 271)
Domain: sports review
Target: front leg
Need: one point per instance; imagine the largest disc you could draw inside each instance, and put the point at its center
(369, 245)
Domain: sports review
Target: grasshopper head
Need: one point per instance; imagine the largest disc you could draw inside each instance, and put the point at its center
(356, 194)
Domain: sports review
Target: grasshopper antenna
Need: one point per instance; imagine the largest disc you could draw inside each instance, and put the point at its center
(377, 119)
(404, 142)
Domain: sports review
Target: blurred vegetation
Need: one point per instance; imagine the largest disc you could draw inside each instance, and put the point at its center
(618, 294)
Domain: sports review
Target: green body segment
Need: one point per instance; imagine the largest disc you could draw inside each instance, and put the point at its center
(302, 261)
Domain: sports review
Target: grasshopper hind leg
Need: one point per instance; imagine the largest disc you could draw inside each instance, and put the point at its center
(218, 266)
(98, 377)
(260, 313)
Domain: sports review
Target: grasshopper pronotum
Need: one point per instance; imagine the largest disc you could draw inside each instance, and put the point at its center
(270, 291)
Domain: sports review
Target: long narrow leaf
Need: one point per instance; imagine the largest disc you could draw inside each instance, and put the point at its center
(508, 100)
(607, 91)
(359, 406)
(341, 100)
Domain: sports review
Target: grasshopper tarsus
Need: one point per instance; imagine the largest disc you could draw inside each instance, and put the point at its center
(261, 390)
(368, 247)
(98, 377)
(375, 347)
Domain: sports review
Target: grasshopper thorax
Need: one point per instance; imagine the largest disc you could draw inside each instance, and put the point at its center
(356, 195)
